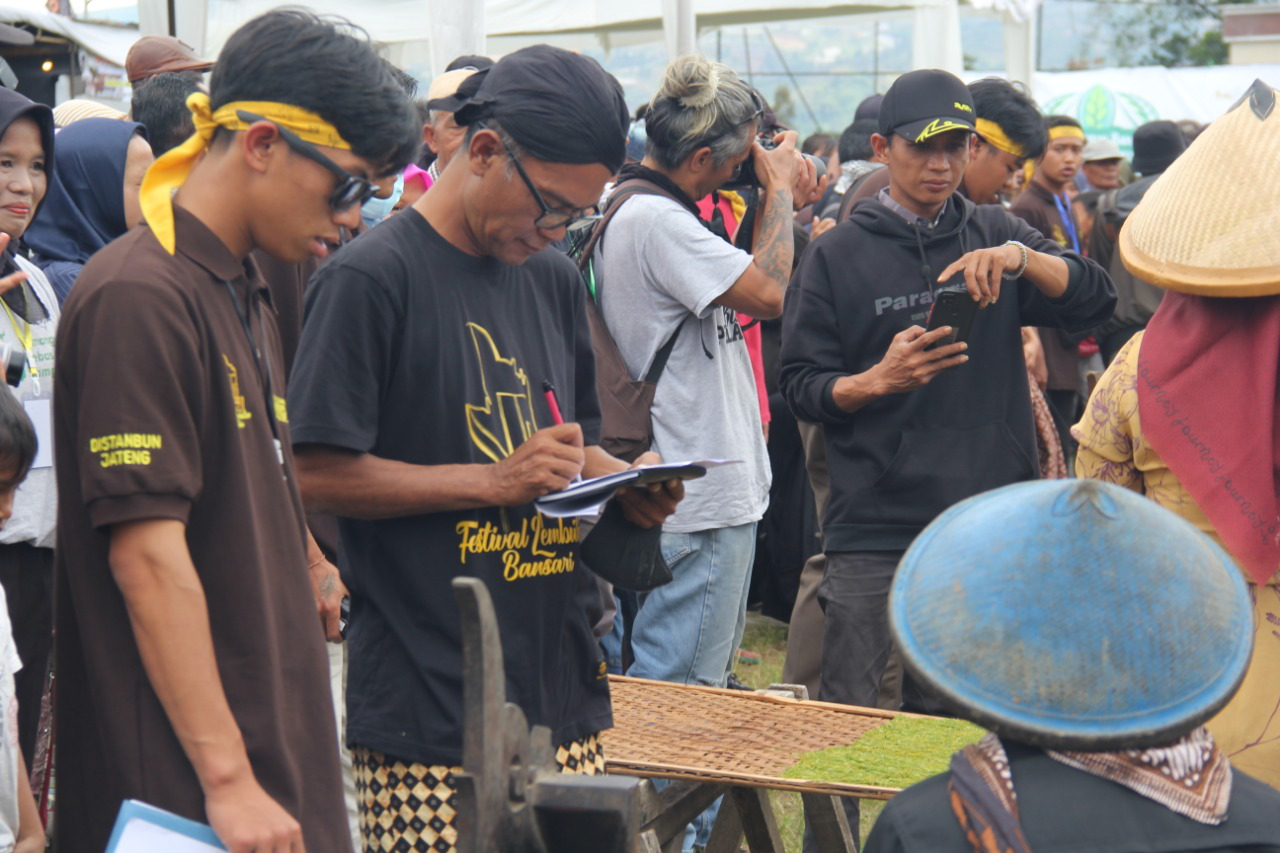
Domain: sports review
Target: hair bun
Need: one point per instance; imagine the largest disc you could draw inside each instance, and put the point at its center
(693, 82)
(704, 94)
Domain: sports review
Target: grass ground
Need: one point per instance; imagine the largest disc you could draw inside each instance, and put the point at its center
(768, 638)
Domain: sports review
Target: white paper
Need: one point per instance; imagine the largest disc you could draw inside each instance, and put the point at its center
(142, 836)
(41, 414)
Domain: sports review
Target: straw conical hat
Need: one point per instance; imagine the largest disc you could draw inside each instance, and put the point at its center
(1208, 225)
(1032, 609)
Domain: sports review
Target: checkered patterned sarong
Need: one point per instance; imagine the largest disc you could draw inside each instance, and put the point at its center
(407, 807)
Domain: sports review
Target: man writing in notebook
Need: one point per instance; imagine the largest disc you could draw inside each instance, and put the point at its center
(420, 418)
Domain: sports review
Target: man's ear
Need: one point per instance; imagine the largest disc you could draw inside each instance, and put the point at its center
(701, 160)
(429, 136)
(880, 148)
(484, 149)
(975, 144)
(259, 144)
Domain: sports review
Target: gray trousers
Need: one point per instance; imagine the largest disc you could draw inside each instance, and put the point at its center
(803, 664)
(856, 643)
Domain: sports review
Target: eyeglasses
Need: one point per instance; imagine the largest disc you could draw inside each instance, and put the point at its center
(550, 219)
(351, 190)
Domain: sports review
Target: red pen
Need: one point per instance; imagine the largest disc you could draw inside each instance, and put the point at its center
(549, 391)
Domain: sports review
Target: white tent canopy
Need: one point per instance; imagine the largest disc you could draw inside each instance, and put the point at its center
(437, 30)
(427, 33)
(105, 42)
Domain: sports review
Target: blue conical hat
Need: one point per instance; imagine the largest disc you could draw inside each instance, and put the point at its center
(1073, 614)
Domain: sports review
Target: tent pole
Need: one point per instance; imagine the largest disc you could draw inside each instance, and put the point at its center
(680, 27)
(794, 82)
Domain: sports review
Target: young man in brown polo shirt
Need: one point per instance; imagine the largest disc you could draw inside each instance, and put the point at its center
(190, 659)
(1045, 205)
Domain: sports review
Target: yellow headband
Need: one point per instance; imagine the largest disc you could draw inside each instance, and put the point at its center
(171, 170)
(994, 135)
(1066, 131)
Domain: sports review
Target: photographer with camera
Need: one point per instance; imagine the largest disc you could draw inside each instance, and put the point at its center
(662, 276)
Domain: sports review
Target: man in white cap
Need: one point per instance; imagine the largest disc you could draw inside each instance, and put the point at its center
(1101, 170)
(441, 133)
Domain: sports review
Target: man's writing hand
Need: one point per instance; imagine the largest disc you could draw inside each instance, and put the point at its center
(548, 462)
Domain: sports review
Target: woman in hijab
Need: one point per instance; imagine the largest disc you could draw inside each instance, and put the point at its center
(93, 199)
(1188, 413)
(26, 538)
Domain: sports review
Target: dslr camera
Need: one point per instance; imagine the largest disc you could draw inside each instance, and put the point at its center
(746, 177)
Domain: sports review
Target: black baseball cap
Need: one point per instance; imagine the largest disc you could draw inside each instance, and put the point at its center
(1156, 145)
(921, 104)
(869, 108)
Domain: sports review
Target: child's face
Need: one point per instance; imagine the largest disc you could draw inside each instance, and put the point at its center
(10, 478)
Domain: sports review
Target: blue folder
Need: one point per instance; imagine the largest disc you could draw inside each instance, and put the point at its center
(131, 810)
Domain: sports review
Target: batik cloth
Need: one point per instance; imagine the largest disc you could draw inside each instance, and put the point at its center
(406, 806)
(1190, 777)
(1053, 464)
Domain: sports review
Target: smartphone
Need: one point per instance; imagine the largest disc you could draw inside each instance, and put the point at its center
(954, 308)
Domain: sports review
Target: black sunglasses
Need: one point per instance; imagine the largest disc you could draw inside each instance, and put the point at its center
(550, 219)
(351, 190)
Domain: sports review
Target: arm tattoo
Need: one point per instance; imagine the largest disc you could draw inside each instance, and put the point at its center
(775, 240)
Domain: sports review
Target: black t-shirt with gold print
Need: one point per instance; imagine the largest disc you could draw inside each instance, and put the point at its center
(414, 351)
(163, 412)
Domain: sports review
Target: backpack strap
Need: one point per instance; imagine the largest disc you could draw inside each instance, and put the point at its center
(661, 357)
(622, 192)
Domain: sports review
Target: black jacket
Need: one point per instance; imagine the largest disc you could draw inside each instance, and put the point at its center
(899, 461)
(1064, 810)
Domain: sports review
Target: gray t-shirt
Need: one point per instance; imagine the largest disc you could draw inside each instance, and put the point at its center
(658, 269)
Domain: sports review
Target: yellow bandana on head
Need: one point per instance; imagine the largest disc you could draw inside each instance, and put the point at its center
(995, 136)
(171, 170)
(1066, 131)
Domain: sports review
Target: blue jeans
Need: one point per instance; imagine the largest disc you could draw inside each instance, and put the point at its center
(688, 631)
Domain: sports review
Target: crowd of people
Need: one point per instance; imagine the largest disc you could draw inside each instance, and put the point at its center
(288, 352)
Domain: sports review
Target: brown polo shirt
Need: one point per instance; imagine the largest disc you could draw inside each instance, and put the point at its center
(163, 413)
(1036, 208)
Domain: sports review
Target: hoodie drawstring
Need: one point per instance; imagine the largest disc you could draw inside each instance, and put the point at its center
(926, 269)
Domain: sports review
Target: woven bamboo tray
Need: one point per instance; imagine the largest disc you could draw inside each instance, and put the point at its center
(677, 731)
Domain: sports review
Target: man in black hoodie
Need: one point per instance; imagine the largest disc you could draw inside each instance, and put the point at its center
(912, 425)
